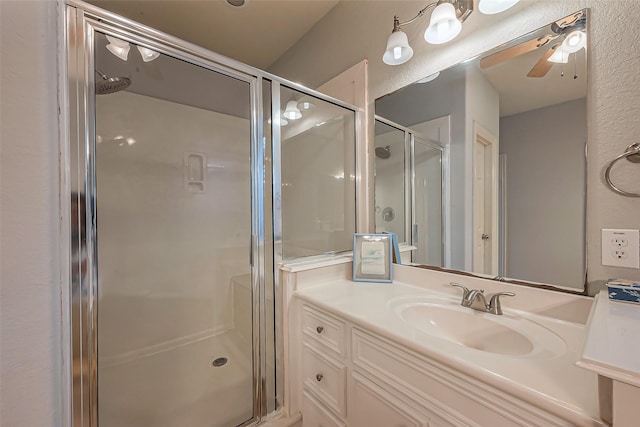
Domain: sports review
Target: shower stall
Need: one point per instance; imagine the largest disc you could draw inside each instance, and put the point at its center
(175, 173)
(410, 189)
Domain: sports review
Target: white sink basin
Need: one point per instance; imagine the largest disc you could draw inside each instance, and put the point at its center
(507, 334)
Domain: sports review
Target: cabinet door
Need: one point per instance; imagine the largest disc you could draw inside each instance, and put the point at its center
(370, 405)
(314, 415)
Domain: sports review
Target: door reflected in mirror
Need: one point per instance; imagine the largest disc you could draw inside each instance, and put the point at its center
(501, 189)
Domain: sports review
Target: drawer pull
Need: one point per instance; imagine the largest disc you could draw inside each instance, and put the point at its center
(319, 329)
(319, 377)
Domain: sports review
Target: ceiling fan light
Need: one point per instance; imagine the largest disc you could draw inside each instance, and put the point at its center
(292, 112)
(398, 50)
(444, 25)
(148, 55)
(559, 56)
(574, 41)
(491, 7)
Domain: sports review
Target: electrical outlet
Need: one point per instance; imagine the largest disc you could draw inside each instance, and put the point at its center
(619, 242)
(621, 248)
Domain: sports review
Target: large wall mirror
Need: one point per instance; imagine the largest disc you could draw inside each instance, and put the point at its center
(511, 127)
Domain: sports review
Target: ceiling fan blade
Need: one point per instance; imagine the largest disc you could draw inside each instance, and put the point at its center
(543, 66)
(517, 50)
(570, 20)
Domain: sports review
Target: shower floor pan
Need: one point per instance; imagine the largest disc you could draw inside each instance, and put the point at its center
(180, 387)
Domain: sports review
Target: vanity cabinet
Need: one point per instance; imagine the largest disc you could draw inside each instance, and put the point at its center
(351, 376)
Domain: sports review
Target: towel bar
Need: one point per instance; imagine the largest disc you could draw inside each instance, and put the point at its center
(632, 153)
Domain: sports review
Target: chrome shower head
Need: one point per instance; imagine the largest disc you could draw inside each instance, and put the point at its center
(383, 152)
(107, 85)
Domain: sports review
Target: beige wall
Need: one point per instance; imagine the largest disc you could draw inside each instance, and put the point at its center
(360, 28)
(31, 376)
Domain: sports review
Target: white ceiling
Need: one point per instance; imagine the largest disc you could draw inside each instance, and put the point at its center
(256, 34)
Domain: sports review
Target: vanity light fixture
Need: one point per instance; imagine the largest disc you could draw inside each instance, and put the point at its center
(305, 105)
(429, 78)
(119, 48)
(148, 55)
(292, 112)
(283, 121)
(445, 25)
(491, 7)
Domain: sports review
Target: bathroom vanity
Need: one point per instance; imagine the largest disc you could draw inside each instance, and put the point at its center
(407, 353)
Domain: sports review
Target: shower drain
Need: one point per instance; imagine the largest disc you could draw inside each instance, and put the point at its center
(220, 361)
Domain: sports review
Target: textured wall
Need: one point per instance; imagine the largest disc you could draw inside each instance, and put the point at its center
(360, 28)
(31, 368)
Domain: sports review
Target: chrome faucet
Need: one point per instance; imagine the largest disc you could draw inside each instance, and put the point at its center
(476, 300)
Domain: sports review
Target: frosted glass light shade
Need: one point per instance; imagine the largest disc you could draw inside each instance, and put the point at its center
(148, 55)
(398, 50)
(119, 48)
(305, 105)
(120, 52)
(574, 41)
(292, 112)
(559, 56)
(444, 25)
(117, 41)
(491, 7)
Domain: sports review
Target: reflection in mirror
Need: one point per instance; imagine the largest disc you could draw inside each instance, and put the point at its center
(390, 192)
(513, 126)
(412, 184)
(318, 176)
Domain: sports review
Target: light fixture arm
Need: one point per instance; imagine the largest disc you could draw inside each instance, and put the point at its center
(396, 20)
(463, 10)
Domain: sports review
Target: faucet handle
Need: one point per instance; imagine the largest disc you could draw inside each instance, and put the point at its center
(464, 288)
(494, 304)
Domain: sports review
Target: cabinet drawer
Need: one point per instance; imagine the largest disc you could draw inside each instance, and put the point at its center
(314, 415)
(324, 329)
(325, 378)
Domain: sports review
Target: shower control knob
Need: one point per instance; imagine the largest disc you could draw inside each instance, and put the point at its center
(319, 330)
(319, 377)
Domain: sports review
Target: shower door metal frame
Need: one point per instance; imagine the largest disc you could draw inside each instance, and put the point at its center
(81, 27)
(77, 171)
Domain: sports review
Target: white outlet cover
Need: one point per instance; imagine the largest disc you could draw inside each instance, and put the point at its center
(621, 248)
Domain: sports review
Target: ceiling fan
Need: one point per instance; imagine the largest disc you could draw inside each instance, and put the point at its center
(567, 36)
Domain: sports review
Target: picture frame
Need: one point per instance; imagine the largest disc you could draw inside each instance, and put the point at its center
(372, 258)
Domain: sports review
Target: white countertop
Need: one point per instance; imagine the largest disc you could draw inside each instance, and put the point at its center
(612, 345)
(551, 382)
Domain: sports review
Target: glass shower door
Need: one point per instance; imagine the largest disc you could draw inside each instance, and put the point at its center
(428, 224)
(173, 168)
